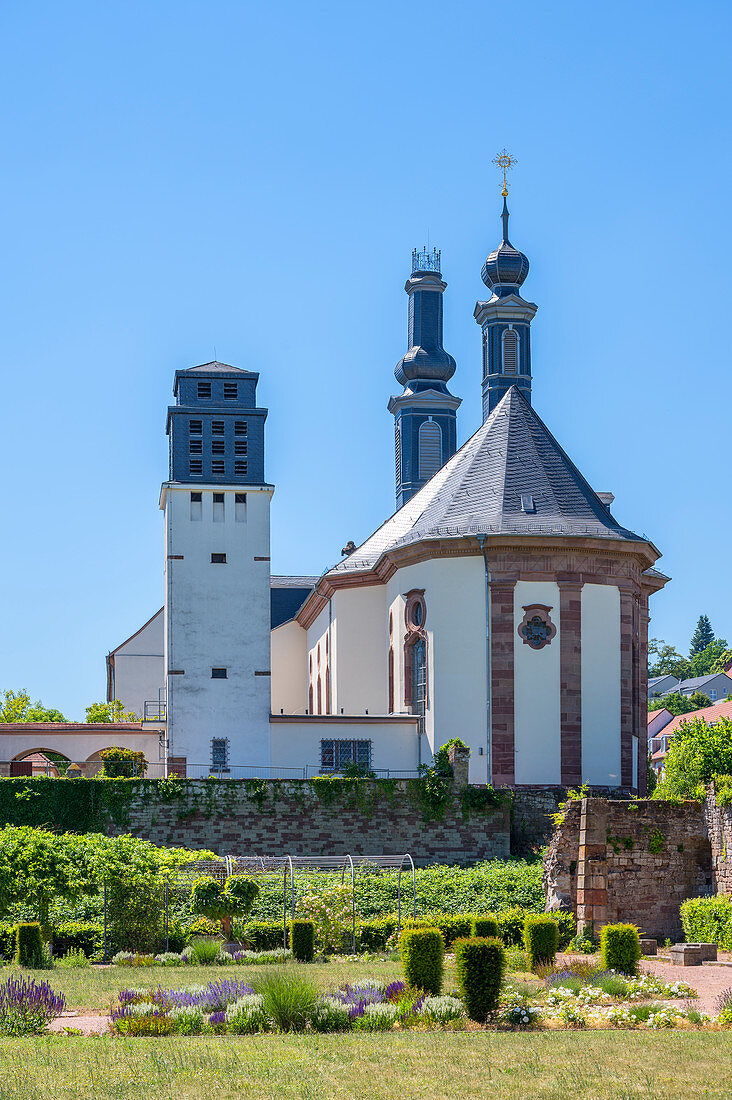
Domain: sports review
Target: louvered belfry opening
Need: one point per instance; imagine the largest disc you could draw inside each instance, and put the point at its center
(510, 351)
(430, 449)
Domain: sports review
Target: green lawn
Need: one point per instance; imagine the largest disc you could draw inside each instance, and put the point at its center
(406, 1065)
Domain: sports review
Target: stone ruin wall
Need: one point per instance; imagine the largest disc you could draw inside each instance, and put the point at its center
(631, 861)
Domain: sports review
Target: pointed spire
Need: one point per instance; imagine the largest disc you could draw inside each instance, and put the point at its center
(504, 219)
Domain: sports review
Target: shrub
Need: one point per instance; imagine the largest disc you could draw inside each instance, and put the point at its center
(620, 948)
(302, 940)
(541, 938)
(27, 1006)
(485, 927)
(235, 898)
(74, 959)
(7, 941)
(423, 951)
(288, 999)
(29, 946)
(77, 936)
(708, 920)
(567, 926)
(136, 908)
(331, 913)
(201, 926)
(511, 926)
(177, 937)
(124, 763)
(259, 935)
(480, 964)
(453, 926)
(374, 934)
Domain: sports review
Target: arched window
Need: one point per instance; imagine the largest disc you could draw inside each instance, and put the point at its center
(418, 675)
(415, 653)
(320, 696)
(310, 699)
(327, 689)
(430, 449)
(510, 351)
(391, 680)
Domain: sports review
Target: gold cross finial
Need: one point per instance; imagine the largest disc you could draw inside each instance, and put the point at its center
(505, 162)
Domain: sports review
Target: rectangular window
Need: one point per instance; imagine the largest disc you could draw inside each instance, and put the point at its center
(220, 754)
(195, 446)
(195, 427)
(240, 446)
(218, 673)
(240, 469)
(336, 755)
(218, 507)
(196, 505)
(240, 507)
(217, 467)
(218, 559)
(195, 466)
(713, 695)
(230, 391)
(217, 446)
(240, 427)
(204, 389)
(217, 427)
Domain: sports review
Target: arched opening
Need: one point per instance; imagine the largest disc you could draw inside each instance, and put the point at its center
(94, 764)
(320, 696)
(510, 351)
(327, 689)
(391, 679)
(34, 762)
(430, 449)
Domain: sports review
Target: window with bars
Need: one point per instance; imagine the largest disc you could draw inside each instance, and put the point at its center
(217, 446)
(195, 466)
(217, 427)
(218, 559)
(195, 427)
(430, 449)
(240, 469)
(240, 446)
(231, 390)
(220, 754)
(335, 755)
(204, 389)
(510, 351)
(195, 446)
(217, 467)
(240, 427)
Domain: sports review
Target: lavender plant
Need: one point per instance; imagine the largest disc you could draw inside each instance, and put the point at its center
(26, 1006)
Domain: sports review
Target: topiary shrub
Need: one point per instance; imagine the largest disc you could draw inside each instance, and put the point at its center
(7, 941)
(480, 963)
(453, 926)
(511, 925)
(541, 939)
(620, 948)
(28, 945)
(485, 927)
(259, 935)
(302, 940)
(235, 898)
(423, 952)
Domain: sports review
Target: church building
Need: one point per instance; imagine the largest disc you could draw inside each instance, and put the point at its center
(501, 603)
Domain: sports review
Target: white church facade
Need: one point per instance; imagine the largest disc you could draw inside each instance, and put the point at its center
(502, 603)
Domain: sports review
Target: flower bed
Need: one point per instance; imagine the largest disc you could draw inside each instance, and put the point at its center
(220, 958)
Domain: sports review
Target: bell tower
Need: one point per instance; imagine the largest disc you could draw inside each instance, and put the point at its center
(425, 413)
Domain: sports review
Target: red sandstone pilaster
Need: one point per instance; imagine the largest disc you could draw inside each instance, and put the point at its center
(570, 661)
(627, 694)
(502, 654)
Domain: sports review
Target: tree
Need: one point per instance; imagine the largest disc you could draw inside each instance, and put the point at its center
(110, 712)
(234, 899)
(680, 704)
(702, 636)
(664, 660)
(123, 763)
(723, 659)
(697, 752)
(703, 662)
(16, 706)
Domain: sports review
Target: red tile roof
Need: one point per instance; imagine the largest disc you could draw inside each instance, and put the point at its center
(70, 727)
(708, 714)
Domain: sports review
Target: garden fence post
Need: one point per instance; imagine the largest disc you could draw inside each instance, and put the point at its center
(167, 924)
(105, 920)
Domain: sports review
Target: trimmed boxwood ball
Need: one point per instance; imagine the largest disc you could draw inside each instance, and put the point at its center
(620, 948)
(28, 945)
(485, 926)
(423, 952)
(302, 940)
(480, 963)
(541, 939)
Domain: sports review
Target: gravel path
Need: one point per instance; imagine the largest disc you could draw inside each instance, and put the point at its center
(708, 981)
(87, 1025)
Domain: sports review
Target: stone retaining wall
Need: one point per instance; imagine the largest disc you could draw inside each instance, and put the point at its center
(718, 821)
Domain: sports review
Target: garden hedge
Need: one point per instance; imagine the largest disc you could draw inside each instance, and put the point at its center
(708, 920)
(480, 963)
(541, 940)
(28, 945)
(302, 940)
(423, 953)
(74, 935)
(620, 948)
(485, 927)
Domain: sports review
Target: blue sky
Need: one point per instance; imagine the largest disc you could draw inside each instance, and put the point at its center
(251, 178)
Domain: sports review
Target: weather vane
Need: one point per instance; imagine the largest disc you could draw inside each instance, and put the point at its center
(505, 162)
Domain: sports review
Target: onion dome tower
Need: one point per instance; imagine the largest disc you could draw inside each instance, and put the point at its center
(425, 413)
(506, 317)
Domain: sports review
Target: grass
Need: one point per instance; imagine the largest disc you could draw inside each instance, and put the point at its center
(438, 1066)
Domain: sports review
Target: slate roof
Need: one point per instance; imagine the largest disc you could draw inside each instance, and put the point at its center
(510, 478)
(216, 368)
(699, 681)
(286, 597)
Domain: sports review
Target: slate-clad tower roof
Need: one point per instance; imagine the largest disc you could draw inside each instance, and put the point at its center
(510, 478)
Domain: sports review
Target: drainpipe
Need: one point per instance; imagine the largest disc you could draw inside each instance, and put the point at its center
(481, 543)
